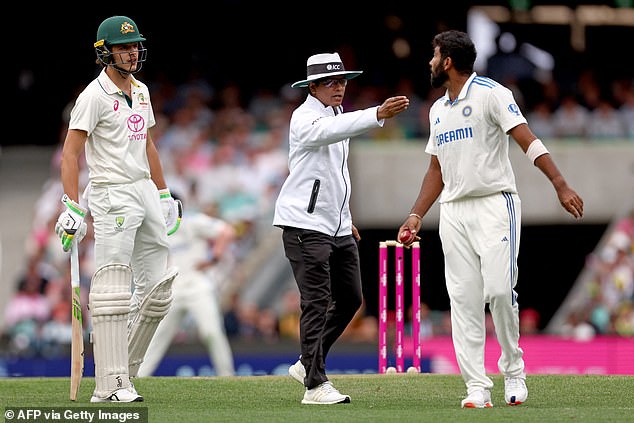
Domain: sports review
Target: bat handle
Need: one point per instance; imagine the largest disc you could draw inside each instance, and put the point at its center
(74, 265)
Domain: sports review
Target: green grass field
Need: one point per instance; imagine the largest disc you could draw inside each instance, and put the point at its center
(375, 398)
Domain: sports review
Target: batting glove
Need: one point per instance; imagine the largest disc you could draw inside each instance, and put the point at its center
(172, 211)
(70, 223)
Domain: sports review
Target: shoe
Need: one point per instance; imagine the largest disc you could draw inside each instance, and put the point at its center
(132, 389)
(297, 372)
(120, 395)
(515, 391)
(480, 398)
(324, 394)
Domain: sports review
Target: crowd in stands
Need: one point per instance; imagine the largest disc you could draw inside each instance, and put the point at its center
(609, 298)
(225, 151)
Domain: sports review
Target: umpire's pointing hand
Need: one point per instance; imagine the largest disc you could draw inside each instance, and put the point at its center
(392, 107)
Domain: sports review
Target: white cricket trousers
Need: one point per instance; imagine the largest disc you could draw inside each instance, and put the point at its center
(194, 295)
(480, 240)
(130, 229)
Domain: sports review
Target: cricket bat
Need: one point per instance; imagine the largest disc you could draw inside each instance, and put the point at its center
(77, 345)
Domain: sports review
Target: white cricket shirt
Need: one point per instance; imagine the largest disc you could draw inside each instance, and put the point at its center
(316, 193)
(189, 245)
(469, 137)
(117, 133)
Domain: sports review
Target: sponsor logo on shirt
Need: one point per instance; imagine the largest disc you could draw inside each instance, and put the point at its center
(460, 134)
(136, 124)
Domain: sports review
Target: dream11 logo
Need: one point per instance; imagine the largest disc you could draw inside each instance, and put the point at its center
(136, 124)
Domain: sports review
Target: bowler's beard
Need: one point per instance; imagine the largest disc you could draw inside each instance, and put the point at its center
(439, 79)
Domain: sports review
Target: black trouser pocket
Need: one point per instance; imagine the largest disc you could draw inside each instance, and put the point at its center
(313, 196)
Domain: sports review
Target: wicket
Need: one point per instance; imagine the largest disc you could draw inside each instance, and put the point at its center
(399, 305)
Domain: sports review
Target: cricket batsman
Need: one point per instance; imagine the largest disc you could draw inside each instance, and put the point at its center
(131, 207)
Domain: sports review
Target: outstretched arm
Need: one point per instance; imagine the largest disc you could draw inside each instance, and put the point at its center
(392, 107)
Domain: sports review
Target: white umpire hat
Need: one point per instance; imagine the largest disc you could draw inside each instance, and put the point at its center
(324, 65)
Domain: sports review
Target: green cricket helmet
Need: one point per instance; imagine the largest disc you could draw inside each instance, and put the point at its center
(118, 30)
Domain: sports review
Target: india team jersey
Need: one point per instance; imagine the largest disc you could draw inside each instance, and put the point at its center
(469, 137)
(117, 133)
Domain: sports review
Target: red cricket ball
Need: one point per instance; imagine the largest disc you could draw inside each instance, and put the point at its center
(404, 236)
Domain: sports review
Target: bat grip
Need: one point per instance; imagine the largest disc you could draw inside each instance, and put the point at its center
(74, 265)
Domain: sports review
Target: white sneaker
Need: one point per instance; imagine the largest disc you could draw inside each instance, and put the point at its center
(120, 395)
(480, 398)
(515, 390)
(324, 394)
(297, 372)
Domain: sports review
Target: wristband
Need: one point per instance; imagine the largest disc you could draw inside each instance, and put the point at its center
(536, 149)
(418, 216)
(165, 193)
(73, 206)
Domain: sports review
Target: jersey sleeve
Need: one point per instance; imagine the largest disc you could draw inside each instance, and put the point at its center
(504, 110)
(85, 113)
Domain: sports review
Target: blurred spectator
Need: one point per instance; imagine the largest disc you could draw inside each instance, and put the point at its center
(570, 118)
(262, 104)
(362, 328)
(426, 329)
(604, 122)
(411, 120)
(589, 89)
(578, 327)
(541, 119)
(624, 319)
(289, 315)
(57, 332)
(625, 225)
(28, 310)
(529, 321)
(626, 111)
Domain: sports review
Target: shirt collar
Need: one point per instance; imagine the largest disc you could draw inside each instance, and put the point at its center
(314, 102)
(463, 92)
(108, 86)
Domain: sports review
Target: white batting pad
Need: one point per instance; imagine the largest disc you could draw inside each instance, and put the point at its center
(109, 304)
(153, 308)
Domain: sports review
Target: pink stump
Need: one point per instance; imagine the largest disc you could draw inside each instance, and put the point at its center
(416, 305)
(382, 307)
(400, 309)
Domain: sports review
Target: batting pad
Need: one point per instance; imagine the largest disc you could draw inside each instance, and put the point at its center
(153, 308)
(109, 303)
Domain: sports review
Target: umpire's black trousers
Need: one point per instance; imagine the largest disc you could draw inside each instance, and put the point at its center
(328, 275)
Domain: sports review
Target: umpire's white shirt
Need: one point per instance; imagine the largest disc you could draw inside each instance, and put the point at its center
(117, 133)
(316, 193)
(469, 137)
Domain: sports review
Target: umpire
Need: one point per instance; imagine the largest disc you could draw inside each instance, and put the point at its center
(319, 238)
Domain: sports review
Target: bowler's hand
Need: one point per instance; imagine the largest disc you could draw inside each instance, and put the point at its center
(571, 201)
(392, 107)
(411, 225)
